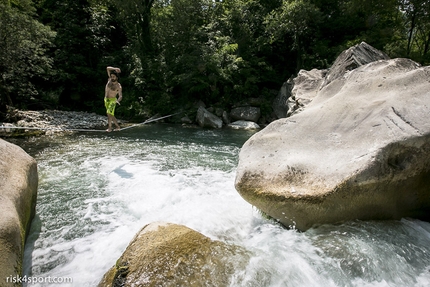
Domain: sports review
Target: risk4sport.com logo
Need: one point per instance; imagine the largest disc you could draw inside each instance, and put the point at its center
(38, 280)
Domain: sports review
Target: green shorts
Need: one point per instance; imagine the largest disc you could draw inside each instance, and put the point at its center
(110, 104)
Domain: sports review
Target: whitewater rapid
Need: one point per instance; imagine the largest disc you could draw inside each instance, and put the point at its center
(97, 191)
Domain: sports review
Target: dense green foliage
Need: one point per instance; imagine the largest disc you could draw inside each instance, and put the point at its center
(24, 57)
(173, 53)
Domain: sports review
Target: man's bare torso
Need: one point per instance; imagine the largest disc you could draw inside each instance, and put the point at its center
(112, 89)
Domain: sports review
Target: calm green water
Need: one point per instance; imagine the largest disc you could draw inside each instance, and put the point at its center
(98, 190)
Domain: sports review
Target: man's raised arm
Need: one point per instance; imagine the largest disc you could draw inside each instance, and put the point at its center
(109, 69)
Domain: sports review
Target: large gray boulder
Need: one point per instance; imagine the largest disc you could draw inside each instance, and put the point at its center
(165, 254)
(296, 93)
(305, 88)
(18, 193)
(280, 103)
(359, 150)
(352, 58)
(206, 119)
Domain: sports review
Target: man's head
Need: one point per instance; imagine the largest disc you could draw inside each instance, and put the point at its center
(113, 76)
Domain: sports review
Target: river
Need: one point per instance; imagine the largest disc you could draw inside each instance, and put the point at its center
(97, 190)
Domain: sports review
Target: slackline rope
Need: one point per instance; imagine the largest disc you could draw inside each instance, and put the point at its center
(85, 130)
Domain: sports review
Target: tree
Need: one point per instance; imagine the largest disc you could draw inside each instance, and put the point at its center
(136, 14)
(83, 39)
(417, 19)
(296, 22)
(24, 43)
(169, 68)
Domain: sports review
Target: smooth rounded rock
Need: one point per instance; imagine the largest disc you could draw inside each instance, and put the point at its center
(18, 193)
(359, 150)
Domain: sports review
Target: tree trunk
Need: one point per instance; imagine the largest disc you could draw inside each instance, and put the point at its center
(411, 32)
(427, 45)
(5, 98)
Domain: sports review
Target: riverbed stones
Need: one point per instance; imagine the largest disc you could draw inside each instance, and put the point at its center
(18, 193)
(165, 254)
(359, 150)
(51, 121)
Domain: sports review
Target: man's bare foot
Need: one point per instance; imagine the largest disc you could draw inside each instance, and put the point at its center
(117, 129)
(109, 130)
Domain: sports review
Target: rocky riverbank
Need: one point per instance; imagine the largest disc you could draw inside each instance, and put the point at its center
(50, 121)
(26, 123)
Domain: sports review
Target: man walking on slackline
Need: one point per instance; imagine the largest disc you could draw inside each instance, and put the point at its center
(113, 88)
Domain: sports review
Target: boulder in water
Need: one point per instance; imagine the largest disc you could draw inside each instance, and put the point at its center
(164, 254)
(359, 150)
(206, 119)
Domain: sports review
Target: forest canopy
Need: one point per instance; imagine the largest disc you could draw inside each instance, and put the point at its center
(172, 53)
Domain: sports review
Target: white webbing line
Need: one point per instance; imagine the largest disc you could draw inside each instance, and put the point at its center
(82, 130)
(148, 121)
(50, 129)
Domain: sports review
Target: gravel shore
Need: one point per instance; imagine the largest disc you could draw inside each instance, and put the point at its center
(51, 121)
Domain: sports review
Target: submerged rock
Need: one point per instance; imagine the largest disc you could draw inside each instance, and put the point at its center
(164, 254)
(359, 150)
(18, 193)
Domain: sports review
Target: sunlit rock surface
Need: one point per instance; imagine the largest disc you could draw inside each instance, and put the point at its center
(164, 254)
(18, 193)
(299, 91)
(359, 150)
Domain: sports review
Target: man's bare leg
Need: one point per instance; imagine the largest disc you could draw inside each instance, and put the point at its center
(116, 124)
(109, 123)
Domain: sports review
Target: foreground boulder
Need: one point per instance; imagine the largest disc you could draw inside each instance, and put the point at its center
(359, 150)
(18, 192)
(164, 254)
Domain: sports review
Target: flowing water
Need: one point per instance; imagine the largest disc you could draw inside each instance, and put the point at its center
(96, 191)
